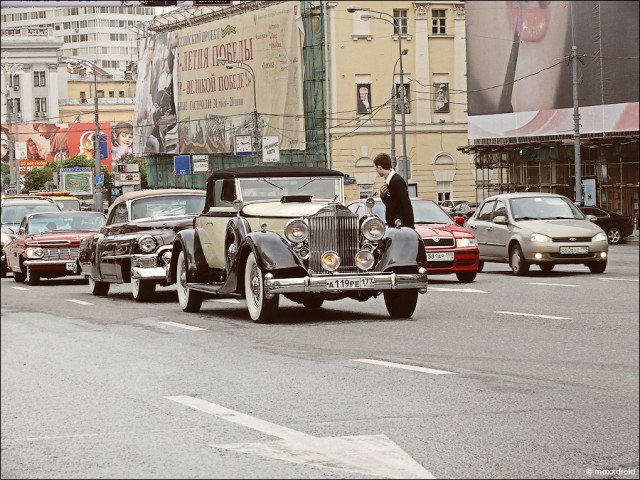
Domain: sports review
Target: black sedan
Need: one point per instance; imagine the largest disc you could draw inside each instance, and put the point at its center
(615, 225)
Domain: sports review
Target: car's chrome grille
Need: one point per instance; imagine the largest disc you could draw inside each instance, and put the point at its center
(442, 242)
(333, 228)
(61, 253)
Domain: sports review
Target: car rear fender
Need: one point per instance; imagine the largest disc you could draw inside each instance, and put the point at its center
(402, 247)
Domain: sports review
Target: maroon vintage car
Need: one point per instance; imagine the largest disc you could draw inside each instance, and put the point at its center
(47, 244)
(451, 248)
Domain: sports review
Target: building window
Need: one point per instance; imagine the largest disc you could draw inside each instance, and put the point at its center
(400, 21)
(39, 79)
(442, 97)
(444, 191)
(112, 94)
(14, 105)
(100, 94)
(14, 81)
(121, 94)
(83, 97)
(41, 104)
(363, 98)
(439, 22)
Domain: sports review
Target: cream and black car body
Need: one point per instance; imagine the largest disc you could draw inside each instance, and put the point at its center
(268, 231)
(134, 246)
(536, 228)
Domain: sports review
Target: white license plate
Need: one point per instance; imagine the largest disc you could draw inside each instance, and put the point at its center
(355, 283)
(573, 250)
(440, 256)
(71, 266)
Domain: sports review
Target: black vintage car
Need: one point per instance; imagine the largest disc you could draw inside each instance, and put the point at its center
(270, 231)
(135, 244)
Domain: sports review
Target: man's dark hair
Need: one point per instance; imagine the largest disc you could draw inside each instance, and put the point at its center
(382, 160)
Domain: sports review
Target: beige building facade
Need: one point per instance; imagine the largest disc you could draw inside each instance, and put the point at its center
(363, 52)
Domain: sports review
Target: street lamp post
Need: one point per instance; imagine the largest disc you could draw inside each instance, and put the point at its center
(402, 164)
(9, 70)
(246, 67)
(97, 193)
(393, 109)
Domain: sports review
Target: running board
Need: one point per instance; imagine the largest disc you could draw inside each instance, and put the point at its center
(212, 288)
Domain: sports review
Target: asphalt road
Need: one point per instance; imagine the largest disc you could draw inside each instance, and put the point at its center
(506, 377)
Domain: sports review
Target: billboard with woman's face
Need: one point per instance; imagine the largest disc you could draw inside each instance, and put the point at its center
(519, 67)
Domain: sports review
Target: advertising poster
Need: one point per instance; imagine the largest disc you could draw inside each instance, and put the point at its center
(520, 74)
(77, 180)
(216, 104)
(80, 140)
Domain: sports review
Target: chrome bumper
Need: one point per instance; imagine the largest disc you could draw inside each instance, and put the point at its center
(146, 267)
(383, 281)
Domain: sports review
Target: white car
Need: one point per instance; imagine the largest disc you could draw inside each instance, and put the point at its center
(545, 229)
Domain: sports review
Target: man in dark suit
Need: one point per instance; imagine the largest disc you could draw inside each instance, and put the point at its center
(394, 193)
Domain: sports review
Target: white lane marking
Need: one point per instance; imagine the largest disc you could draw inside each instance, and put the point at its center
(182, 325)
(374, 455)
(619, 279)
(461, 290)
(532, 315)
(79, 302)
(20, 288)
(433, 371)
(554, 284)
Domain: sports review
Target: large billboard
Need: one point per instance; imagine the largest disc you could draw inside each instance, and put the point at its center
(47, 142)
(189, 101)
(519, 71)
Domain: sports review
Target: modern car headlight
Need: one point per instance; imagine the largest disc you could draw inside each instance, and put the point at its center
(330, 261)
(147, 243)
(466, 242)
(373, 229)
(34, 252)
(599, 237)
(296, 230)
(538, 237)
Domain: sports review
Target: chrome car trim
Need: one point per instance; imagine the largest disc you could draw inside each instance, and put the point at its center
(45, 262)
(315, 284)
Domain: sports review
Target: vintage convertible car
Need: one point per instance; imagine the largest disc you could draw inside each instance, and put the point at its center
(135, 244)
(270, 231)
(46, 244)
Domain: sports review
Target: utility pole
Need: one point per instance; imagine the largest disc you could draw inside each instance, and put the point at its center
(393, 123)
(576, 124)
(96, 142)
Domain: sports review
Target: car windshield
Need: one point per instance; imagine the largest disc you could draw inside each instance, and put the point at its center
(424, 211)
(13, 213)
(167, 205)
(544, 208)
(69, 204)
(274, 188)
(92, 221)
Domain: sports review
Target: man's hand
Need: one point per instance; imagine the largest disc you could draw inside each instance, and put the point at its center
(384, 190)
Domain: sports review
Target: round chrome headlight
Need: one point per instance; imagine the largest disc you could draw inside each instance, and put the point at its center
(34, 252)
(330, 261)
(296, 230)
(147, 243)
(364, 259)
(373, 229)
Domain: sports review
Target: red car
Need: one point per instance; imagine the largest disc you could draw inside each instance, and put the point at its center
(47, 244)
(450, 247)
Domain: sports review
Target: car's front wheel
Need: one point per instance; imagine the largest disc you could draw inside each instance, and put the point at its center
(98, 289)
(615, 235)
(261, 309)
(190, 301)
(19, 277)
(466, 277)
(599, 267)
(143, 290)
(3, 270)
(519, 265)
(401, 303)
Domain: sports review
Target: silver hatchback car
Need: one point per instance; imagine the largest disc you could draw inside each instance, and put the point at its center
(545, 229)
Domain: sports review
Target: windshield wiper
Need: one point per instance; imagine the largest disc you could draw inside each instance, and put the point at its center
(307, 183)
(271, 183)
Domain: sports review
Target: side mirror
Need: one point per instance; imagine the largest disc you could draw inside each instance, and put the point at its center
(592, 218)
(459, 220)
(500, 220)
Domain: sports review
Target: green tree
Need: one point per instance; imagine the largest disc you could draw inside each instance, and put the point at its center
(6, 175)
